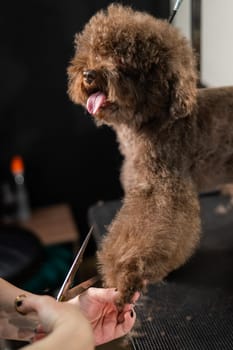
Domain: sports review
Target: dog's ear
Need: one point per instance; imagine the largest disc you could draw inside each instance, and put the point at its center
(183, 91)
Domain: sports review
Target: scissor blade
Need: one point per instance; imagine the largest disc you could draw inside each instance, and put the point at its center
(80, 288)
(74, 267)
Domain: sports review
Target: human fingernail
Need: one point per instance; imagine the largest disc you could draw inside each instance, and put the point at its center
(19, 302)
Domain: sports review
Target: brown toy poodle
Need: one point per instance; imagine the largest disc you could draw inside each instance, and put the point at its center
(138, 75)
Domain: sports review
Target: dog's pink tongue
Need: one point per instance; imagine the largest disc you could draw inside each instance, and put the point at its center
(95, 101)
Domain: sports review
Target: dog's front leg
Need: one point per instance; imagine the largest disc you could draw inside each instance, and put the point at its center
(154, 232)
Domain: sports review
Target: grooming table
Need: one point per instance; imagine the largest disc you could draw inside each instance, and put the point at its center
(193, 308)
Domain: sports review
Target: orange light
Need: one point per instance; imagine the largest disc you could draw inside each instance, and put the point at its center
(17, 165)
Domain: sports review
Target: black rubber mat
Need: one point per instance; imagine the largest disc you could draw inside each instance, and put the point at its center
(178, 316)
(193, 308)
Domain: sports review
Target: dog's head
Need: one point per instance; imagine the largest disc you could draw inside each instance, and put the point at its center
(130, 67)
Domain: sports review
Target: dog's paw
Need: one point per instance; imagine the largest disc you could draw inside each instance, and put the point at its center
(127, 276)
(127, 286)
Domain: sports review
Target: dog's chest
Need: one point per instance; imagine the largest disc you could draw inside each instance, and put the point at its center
(128, 141)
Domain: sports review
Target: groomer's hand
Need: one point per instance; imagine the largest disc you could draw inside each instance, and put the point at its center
(98, 305)
(64, 324)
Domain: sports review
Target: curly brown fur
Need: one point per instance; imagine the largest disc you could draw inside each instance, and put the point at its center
(138, 74)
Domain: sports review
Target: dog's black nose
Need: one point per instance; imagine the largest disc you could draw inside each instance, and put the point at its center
(89, 75)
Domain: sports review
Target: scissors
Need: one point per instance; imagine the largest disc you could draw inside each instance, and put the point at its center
(65, 292)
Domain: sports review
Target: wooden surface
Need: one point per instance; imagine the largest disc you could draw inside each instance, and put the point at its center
(53, 224)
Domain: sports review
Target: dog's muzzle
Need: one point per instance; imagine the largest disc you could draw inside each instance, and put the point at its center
(89, 76)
